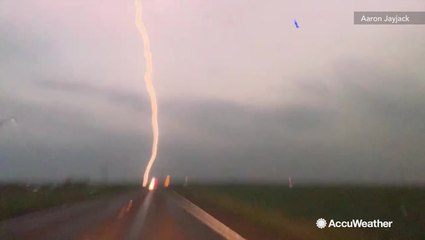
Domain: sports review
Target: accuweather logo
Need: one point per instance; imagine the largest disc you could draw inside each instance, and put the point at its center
(354, 223)
(321, 223)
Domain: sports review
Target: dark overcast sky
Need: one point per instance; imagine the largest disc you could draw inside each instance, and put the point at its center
(243, 94)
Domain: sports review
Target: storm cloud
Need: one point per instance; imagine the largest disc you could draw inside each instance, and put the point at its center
(232, 107)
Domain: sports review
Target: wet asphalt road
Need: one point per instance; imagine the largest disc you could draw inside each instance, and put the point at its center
(137, 215)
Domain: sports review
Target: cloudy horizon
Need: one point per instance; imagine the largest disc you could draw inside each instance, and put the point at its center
(243, 95)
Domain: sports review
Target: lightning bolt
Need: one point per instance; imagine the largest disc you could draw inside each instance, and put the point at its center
(149, 86)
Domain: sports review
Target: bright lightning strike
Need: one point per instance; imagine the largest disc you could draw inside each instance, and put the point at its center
(149, 86)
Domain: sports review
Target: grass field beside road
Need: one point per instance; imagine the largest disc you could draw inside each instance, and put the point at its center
(18, 199)
(293, 212)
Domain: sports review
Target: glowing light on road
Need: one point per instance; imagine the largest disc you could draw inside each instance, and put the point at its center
(149, 86)
(152, 184)
(167, 181)
(125, 209)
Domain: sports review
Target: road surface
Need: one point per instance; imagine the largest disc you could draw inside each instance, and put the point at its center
(143, 215)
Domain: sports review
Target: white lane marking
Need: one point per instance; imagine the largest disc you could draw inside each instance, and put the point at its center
(206, 218)
(139, 221)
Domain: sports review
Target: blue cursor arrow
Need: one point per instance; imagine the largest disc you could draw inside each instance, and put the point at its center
(296, 24)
